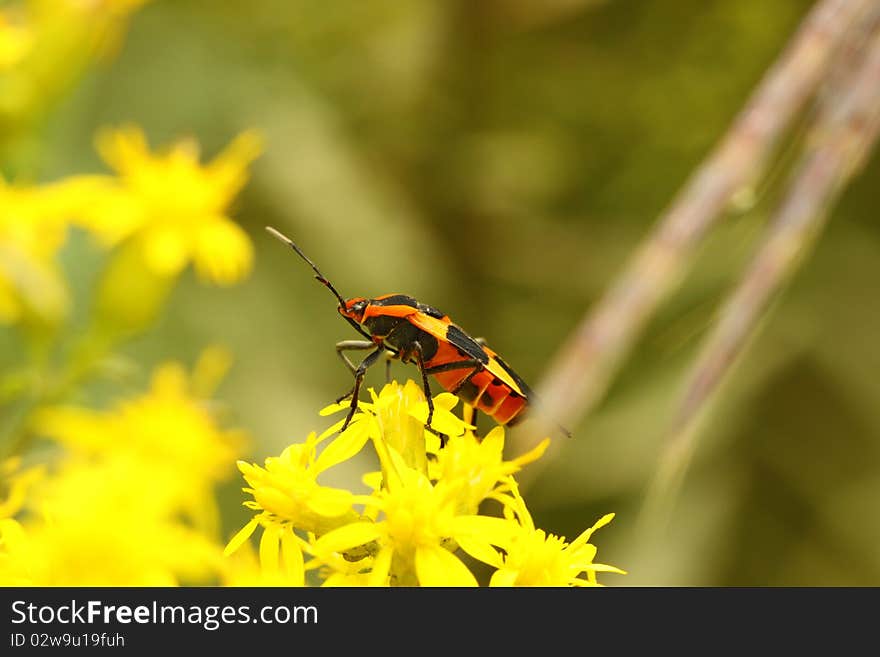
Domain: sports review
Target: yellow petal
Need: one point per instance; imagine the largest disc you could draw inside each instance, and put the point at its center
(293, 557)
(373, 480)
(229, 168)
(269, 545)
(586, 534)
(165, 250)
(240, 537)
(331, 502)
(604, 568)
(123, 149)
(504, 577)
(496, 531)
(381, 567)
(342, 448)
(348, 536)
(480, 549)
(533, 454)
(443, 421)
(335, 407)
(223, 252)
(494, 440)
(445, 400)
(436, 566)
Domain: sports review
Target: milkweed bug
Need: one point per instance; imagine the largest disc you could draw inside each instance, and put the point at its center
(414, 332)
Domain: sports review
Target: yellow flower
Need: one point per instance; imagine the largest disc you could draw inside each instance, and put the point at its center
(174, 208)
(286, 490)
(168, 431)
(287, 495)
(532, 557)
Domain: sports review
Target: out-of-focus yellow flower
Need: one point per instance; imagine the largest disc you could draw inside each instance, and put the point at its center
(99, 523)
(168, 432)
(423, 507)
(33, 227)
(174, 208)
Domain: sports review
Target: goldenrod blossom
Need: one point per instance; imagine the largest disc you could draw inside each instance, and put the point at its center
(173, 207)
(532, 557)
(286, 490)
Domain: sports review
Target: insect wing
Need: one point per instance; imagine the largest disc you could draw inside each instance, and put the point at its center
(472, 349)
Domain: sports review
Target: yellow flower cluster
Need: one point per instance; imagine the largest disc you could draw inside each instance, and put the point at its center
(131, 500)
(421, 524)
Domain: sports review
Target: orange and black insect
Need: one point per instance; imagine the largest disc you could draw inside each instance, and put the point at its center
(413, 332)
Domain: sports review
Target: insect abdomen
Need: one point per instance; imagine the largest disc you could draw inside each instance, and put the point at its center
(478, 387)
(488, 394)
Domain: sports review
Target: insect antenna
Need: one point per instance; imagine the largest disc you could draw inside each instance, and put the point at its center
(318, 275)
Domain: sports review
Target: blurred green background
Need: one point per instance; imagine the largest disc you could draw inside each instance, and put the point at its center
(500, 160)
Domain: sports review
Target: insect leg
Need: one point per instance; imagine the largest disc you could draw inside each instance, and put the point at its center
(358, 379)
(469, 414)
(466, 379)
(457, 365)
(417, 349)
(352, 345)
